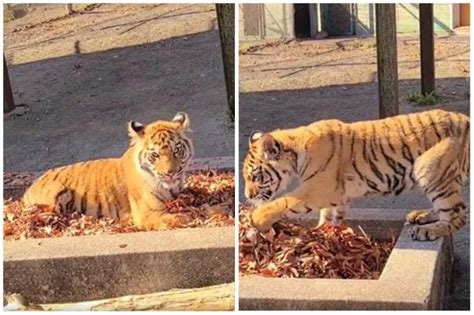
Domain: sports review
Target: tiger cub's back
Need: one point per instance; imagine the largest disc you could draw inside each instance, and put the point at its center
(96, 188)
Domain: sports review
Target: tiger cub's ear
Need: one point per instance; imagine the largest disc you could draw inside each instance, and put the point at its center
(183, 119)
(135, 129)
(271, 147)
(254, 136)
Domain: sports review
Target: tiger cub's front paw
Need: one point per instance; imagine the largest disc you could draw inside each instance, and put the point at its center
(261, 220)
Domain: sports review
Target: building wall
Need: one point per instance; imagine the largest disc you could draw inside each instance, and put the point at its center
(407, 18)
(278, 19)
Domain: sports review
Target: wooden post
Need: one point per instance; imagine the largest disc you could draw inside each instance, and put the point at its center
(69, 9)
(427, 49)
(8, 100)
(225, 20)
(387, 67)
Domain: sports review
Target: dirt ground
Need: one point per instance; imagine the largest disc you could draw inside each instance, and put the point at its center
(79, 79)
(283, 85)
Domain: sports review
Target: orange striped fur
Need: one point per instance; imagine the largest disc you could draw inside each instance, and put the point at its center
(133, 186)
(333, 163)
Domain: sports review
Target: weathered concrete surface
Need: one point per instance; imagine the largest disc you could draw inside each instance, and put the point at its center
(416, 277)
(16, 186)
(73, 269)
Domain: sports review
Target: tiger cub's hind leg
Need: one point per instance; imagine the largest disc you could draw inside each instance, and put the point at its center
(52, 194)
(439, 173)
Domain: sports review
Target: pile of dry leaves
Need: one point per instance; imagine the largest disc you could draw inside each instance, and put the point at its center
(292, 250)
(207, 200)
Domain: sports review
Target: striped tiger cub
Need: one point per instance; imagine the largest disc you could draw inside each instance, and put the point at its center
(331, 163)
(133, 186)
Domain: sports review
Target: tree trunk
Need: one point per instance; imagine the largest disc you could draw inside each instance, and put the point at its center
(225, 20)
(387, 67)
(214, 298)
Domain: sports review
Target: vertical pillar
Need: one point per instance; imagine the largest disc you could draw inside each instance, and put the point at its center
(225, 19)
(387, 66)
(427, 49)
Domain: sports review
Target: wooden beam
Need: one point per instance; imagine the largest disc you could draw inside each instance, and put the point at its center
(387, 66)
(8, 100)
(427, 49)
(213, 298)
(225, 20)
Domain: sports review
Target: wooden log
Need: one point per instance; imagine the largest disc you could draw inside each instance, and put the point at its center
(213, 298)
(387, 67)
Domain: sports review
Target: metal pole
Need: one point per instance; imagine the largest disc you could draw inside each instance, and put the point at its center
(225, 20)
(8, 100)
(427, 49)
(387, 67)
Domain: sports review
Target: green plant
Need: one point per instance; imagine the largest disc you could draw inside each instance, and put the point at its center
(420, 99)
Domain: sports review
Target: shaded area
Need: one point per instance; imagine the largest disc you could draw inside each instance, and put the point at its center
(78, 106)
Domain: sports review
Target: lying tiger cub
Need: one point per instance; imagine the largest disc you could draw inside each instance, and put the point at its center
(137, 184)
(335, 162)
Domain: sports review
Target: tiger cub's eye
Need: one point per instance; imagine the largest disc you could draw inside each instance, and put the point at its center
(155, 155)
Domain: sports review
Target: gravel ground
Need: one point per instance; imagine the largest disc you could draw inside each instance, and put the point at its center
(284, 85)
(135, 62)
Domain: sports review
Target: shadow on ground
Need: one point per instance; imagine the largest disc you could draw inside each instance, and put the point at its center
(290, 108)
(78, 106)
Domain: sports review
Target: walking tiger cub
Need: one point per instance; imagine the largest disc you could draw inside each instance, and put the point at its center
(137, 184)
(334, 162)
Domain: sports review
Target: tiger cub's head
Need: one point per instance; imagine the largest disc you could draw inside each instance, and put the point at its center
(268, 168)
(163, 152)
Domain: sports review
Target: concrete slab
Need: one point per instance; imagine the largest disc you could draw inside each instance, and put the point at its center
(74, 269)
(416, 276)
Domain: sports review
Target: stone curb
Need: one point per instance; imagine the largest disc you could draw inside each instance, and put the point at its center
(416, 276)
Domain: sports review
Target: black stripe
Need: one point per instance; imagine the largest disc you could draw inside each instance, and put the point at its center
(422, 126)
(413, 132)
(433, 125)
(84, 203)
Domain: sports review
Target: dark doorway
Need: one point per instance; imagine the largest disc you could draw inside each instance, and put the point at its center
(337, 19)
(302, 21)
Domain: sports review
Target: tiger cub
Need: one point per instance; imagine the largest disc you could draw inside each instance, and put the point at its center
(136, 184)
(333, 162)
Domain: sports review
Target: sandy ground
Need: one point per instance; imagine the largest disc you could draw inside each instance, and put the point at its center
(290, 84)
(79, 79)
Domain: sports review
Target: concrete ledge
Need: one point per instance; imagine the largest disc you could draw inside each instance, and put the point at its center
(73, 269)
(416, 276)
